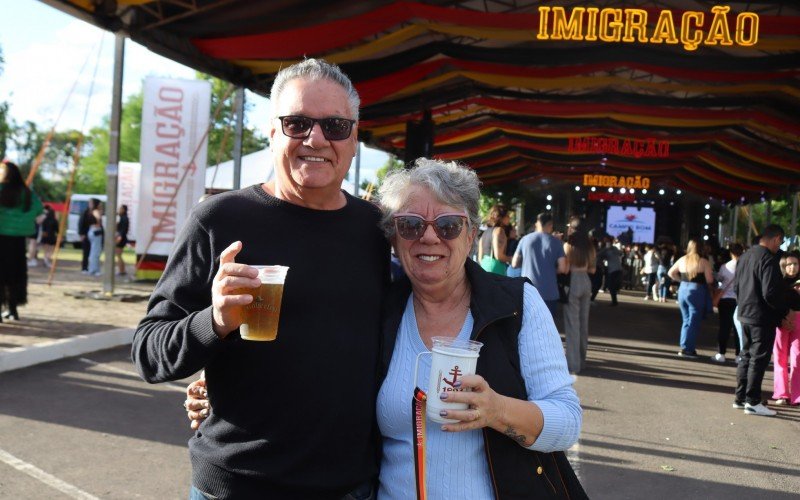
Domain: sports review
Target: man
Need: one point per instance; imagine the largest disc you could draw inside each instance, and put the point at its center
(611, 257)
(541, 256)
(86, 220)
(292, 418)
(760, 295)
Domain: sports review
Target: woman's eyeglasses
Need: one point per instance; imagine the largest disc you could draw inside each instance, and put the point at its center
(299, 127)
(447, 226)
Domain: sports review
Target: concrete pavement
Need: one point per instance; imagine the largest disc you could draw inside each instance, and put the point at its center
(655, 425)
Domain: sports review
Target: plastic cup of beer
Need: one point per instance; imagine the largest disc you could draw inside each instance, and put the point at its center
(262, 315)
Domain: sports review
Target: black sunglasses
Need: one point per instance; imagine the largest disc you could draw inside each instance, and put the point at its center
(447, 226)
(299, 127)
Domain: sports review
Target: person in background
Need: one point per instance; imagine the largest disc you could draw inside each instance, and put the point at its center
(666, 254)
(694, 294)
(727, 303)
(649, 269)
(494, 241)
(786, 352)
(121, 240)
(761, 298)
(34, 241)
(95, 236)
(580, 255)
(86, 220)
(48, 234)
(19, 207)
(612, 261)
(541, 256)
(511, 247)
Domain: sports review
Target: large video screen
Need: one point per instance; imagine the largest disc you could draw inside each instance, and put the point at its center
(642, 221)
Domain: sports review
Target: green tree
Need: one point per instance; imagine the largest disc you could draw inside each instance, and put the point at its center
(51, 176)
(392, 164)
(91, 176)
(5, 127)
(220, 137)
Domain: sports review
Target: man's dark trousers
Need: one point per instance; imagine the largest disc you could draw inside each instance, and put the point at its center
(757, 349)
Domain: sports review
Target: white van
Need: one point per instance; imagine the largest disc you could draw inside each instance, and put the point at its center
(77, 204)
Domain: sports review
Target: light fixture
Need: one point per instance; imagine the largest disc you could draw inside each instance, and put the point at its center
(549, 197)
(677, 191)
(548, 207)
(610, 190)
(708, 206)
(661, 192)
(644, 191)
(595, 189)
(705, 237)
(577, 188)
(623, 190)
(705, 227)
(708, 216)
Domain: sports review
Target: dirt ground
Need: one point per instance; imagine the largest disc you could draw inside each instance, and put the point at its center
(53, 312)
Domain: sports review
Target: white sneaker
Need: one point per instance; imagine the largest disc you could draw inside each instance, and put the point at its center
(759, 410)
(718, 357)
(33, 262)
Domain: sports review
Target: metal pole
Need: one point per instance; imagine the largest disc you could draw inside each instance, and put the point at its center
(238, 104)
(793, 226)
(112, 169)
(358, 170)
(735, 218)
(749, 226)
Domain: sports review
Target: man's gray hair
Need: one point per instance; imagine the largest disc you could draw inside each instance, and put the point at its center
(315, 69)
(450, 183)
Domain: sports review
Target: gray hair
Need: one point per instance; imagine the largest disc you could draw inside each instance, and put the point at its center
(450, 183)
(316, 69)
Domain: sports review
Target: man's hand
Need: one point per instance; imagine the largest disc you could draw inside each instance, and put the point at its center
(196, 404)
(225, 292)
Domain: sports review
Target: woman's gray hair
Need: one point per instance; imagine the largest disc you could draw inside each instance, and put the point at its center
(450, 183)
(316, 69)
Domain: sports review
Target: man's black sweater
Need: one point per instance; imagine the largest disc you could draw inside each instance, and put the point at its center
(292, 418)
(760, 293)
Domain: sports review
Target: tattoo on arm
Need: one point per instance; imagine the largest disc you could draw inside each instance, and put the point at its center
(519, 438)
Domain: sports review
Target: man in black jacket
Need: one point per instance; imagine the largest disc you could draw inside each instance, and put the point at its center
(762, 307)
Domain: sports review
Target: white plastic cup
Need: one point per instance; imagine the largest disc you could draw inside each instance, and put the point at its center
(451, 359)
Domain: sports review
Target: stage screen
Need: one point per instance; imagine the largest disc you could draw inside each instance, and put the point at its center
(642, 221)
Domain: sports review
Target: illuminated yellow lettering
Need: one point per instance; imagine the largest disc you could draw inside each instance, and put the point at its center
(665, 29)
(544, 17)
(690, 20)
(719, 32)
(615, 26)
(591, 24)
(742, 20)
(635, 20)
(567, 30)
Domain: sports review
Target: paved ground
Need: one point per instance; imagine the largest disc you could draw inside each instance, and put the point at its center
(655, 426)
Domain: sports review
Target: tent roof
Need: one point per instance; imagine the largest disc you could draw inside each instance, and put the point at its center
(504, 101)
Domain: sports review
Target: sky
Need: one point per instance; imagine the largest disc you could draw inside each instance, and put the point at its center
(47, 53)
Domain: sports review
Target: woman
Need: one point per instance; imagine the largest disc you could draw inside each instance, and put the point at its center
(95, 236)
(694, 295)
(48, 234)
(522, 406)
(493, 243)
(19, 207)
(665, 256)
(122, 238)
(581, 257)
(786, 351)
(650, 270)
(727, 303)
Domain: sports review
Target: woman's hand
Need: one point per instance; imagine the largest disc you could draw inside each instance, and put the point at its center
(229, 280)
(486, 407)
(197, 404)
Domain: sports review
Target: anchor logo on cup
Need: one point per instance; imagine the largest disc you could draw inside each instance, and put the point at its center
(453, 357)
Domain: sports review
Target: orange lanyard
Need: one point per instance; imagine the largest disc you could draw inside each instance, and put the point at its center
(418, 404)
